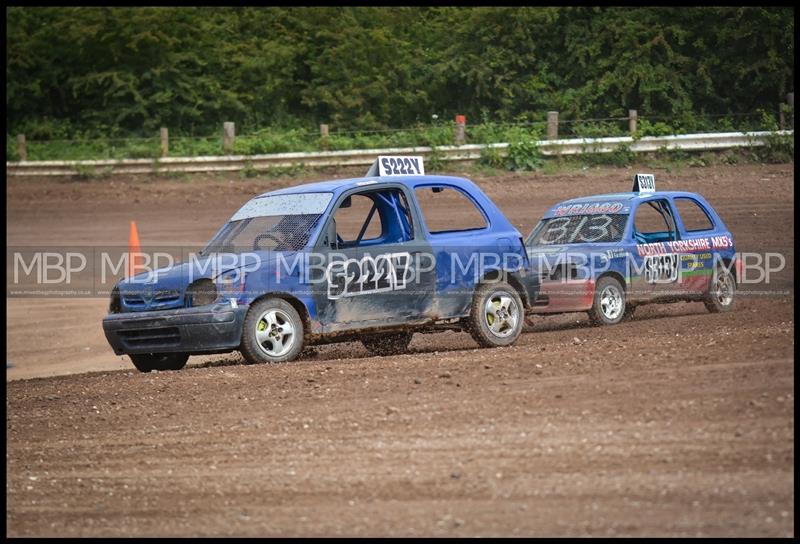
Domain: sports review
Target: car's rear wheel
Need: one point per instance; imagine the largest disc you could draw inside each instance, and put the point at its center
(630, 309)
(273, 332)
(609, 305)
(496, 316)
(393, 343)
(721, 291)
(147, 362)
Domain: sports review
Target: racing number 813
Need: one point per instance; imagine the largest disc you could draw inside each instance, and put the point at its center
(560, 228)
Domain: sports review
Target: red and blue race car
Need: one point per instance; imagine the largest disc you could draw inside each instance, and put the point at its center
(607, 254)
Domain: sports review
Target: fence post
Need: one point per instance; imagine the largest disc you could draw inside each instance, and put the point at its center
(164, 142)
(552, 125)
(323, 134)
(228, 135)
(633, 116)
(22, 147)
(461, 125)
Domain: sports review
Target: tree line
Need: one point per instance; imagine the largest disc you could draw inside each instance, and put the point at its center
(83, 71)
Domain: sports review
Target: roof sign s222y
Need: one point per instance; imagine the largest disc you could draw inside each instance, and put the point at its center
(396, 165)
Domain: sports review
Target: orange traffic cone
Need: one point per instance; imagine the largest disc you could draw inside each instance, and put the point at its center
(134, 251)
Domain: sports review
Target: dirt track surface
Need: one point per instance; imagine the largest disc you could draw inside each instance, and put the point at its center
(676, 423)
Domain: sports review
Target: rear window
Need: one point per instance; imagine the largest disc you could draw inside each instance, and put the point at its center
(693, 215)
(579, 229)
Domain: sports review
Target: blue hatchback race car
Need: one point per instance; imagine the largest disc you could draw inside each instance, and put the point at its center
(607, 254)
(373, 259)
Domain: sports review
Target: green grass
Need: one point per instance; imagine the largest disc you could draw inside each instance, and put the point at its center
(276, 140)
(670, 161)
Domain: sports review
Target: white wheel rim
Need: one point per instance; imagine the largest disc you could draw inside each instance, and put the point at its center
(611, 302)
(724, 290)
(501, 314)
(274, 333)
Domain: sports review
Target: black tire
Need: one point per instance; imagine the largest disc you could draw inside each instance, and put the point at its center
(721, 291)
(390, 343)
(481, 322)
(147, 362)
(275, 339)
(630, 309)
(609, 306)
(309, 352)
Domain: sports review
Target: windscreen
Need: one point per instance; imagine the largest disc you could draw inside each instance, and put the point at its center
(579, 229)
(282, 205)
(279, 223)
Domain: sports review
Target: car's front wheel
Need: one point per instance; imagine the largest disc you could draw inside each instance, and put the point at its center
(496, 316)
(147, 362)
(273, 332)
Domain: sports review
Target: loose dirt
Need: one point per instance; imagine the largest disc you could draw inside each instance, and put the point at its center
(677, 423)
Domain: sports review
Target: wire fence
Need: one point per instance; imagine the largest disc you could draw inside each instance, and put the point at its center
(276, 140)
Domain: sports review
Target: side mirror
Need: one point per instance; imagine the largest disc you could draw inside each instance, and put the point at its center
(347, 202)
(437, 189)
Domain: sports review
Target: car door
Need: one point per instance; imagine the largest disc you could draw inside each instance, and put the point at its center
(653, 264)
(697, 230)
(375, 271)
(462, 242)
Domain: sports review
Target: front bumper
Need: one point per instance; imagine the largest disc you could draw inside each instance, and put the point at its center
(206, 329)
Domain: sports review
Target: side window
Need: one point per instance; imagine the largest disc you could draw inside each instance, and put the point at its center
(358, 212)
(447, 210)
(693, 215)
(654, 222)
(373, 217)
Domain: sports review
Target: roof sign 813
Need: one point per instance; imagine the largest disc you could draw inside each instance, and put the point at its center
(644, 183)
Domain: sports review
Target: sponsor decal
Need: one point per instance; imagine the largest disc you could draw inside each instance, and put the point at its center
(684, 246)
(655, 248)
(588, 208)
(689, 246)
(721, 242)
(695, 261)
(615, 253)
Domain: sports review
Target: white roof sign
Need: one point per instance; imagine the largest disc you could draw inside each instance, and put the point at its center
(644, 183)
(396, 165)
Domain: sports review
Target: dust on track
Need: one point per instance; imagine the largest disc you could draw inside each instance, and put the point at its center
(676, 423)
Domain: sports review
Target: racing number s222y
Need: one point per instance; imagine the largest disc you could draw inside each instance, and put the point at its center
(371, 259)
